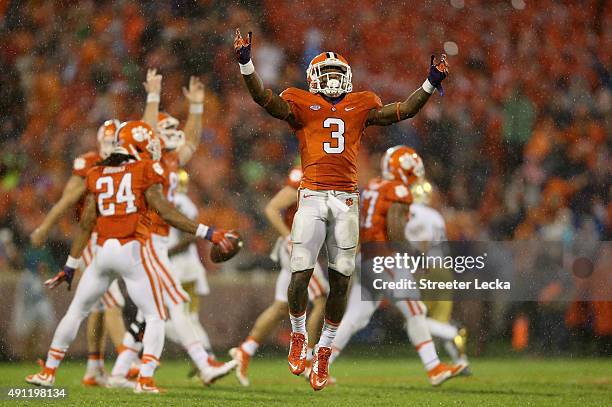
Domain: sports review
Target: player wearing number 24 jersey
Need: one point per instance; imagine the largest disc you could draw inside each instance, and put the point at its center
(122, 189)
(328, 120)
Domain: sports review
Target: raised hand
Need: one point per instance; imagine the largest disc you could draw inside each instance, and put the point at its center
(438, 71)
(67, 274)
(242, 47)
(195, 92)
(153, 82)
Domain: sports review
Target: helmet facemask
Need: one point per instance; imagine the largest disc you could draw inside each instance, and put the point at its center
(330, 77)
(169, 132)
(106, 146)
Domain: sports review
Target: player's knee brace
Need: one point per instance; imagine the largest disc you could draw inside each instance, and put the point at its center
(301, 259)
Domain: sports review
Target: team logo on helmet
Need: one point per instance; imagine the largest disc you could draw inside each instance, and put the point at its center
(403, 164)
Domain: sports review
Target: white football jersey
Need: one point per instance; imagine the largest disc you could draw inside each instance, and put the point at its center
(425, 225)
(187, 264)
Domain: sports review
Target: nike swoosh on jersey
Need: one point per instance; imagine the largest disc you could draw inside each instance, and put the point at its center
(348, 109)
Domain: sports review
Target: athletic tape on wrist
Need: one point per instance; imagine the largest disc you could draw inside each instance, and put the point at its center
(428, 87)
(196, 108)
(153, 97)
(247, 68)
(73, 263)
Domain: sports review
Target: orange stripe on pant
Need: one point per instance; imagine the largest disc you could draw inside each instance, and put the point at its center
(155, 267)
(165, 272)
(158, 303)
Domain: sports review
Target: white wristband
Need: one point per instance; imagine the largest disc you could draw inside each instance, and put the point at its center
(428, 87)
(247, 68)
(201, 231)
(196, 108)
(153, 97)
(73, 263)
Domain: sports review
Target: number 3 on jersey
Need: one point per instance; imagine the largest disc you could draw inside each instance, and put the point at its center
(337, 134)
(124, 195)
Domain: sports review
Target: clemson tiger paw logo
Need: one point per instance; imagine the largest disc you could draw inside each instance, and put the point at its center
(349, 201)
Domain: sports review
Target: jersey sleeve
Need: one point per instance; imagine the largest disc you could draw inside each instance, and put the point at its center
(399, 193)
(153, 174)
(372, 100)
(296, 101)
(294, 178)
(83, 163)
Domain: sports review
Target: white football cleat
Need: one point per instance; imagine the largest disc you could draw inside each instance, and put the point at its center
(242, 369)
(96, 378)
(146, 385)
(442, 373)
(46, 378)
(120, 382)
(212, 373)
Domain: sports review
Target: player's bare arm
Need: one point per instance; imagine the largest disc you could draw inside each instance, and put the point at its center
(193, 128)
(275, 105)
(395, 112)
(153, 87)
(396, 220)
(73, 191)
(172, 216)
(86, 226)
(274, 209)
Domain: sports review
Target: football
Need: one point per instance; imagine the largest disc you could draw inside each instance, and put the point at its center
(218, 256)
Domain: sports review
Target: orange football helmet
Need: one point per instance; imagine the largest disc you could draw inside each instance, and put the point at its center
(403, 164)
(106, 137)
(138, 139)
(167, 127)
(330, 74)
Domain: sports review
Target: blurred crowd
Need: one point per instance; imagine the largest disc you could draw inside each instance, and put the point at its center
(519, 146)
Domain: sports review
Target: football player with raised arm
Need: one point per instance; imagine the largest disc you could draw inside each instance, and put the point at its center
(328, 120)
(121, 191)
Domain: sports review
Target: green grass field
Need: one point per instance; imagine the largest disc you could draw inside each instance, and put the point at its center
(361, 381)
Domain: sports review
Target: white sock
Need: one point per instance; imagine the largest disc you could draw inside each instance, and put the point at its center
(249, 346)
(328, 334)
(441, 330)
(148, 366)
(309, 354)
(94, 362)
(125, 359)
(198, 355)
(153, 338)
(427, 353)
(64, 334)
(452, 351)
(298, 323)
(54, 358)
(201, 332)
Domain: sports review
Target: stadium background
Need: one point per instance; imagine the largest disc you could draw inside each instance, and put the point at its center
(519, 146)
